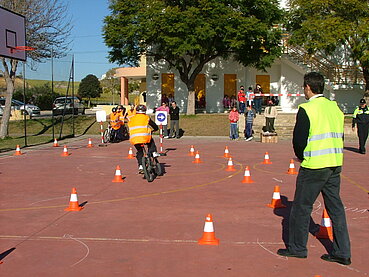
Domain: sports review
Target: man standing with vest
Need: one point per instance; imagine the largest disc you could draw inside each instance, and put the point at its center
(140, 126)
(318, 143)
(361, 118)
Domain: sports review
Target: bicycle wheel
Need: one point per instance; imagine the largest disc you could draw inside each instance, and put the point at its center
(158, 167)
(106, 136)
(147, 169)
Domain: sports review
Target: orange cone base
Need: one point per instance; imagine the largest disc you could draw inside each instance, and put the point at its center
(192, 154)
(17, 154)
(266, 162)
(276, 204)
(230, 169)
(292, 172)
(65, 154)
(208, 239)
(118, 179)
(73, 208)
(90, 145)
(247, 180)
(197, 162)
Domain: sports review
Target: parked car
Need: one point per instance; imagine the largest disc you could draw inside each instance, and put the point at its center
(1, 111)
(71, 105)
(29, 109)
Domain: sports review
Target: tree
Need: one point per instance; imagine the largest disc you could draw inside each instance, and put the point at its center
(90, 87)
(328, 26)
(188, 34)
(47, 28)
(110, 84)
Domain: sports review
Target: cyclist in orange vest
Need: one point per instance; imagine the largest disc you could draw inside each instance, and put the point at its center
(131, 112)
(115, 124)
(140, 128)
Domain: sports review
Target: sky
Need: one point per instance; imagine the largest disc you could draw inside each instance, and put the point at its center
(87, 46)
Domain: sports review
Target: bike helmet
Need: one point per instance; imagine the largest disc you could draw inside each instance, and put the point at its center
(141, 109)
(114, 110)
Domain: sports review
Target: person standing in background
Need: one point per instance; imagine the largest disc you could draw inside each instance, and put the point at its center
(174, 120)
(164, 108)
(361, 119)
(270, 114)
(241, 96)
(233, 119)
(258, 99)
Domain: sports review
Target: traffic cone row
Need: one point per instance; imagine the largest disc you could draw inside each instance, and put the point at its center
(276, 199)
(291, 169)
(73, 203)
(197, 158)
(192, 151)
(230, 166)
(17, 151)
(130, 154)
(325, 230)
(118, 175)
(226, 152)
(65, 152)
(55, 143)
(90, 145)
(208, 236)
(247, 176)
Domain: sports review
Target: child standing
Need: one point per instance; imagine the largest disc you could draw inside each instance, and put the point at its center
(233, 118)
(250, 114)
(270, 114)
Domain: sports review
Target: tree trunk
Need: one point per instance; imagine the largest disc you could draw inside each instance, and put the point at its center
(9, 77)
(366, 78)
(191, 102)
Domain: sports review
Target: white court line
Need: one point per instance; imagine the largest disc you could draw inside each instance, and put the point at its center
(278, 256)
(85, 245)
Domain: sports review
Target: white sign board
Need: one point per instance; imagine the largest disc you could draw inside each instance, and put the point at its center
(101, 116)
(161, 118)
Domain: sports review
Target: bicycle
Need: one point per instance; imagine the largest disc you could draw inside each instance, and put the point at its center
(111, 136)
(151, 165)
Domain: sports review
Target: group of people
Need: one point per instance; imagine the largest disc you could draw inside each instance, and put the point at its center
(173, 112)
(270, 114)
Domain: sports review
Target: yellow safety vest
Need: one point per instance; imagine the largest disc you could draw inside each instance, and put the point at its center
(139, 129)
(325, 142)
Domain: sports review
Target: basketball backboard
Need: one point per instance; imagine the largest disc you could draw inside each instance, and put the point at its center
(12, 34)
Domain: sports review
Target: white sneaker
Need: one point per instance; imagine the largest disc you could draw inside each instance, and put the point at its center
(250, 138)
(140, 169)
(155, 154)
(166, 137)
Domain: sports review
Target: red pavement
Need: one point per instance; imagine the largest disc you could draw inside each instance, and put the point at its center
(139, 229)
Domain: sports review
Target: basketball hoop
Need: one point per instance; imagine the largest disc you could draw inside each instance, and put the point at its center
(21, 48)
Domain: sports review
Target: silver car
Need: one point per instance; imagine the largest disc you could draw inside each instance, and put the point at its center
(31, 110)
(69, 104)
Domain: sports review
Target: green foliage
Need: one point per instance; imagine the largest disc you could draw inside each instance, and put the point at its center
(325, 25)
(40, 96)
(90, 87)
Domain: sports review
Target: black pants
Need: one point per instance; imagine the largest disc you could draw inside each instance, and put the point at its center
(269, 124)
(362, 132)
(151, 146)
(310, 182)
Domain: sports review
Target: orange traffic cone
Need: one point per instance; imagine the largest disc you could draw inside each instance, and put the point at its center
(325, 230)
(65, 152)
(197, 158)
(208, 237)
(266, 159)
(17, 151)
(130, 154)
(192, 151)
(55, 143)
(73, 203)
(292, 170)
(247, 176)
(230, 166)
(118, 176)
(90, 145)
(276, 200)
(226, 152)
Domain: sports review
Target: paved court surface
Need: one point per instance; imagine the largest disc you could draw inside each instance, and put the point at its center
(139, 229)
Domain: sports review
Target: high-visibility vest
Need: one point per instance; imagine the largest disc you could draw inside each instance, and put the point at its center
(121, 118)
(114, 121)
(325, 142)
(139, 129)
(130, 114)
(359, 112)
